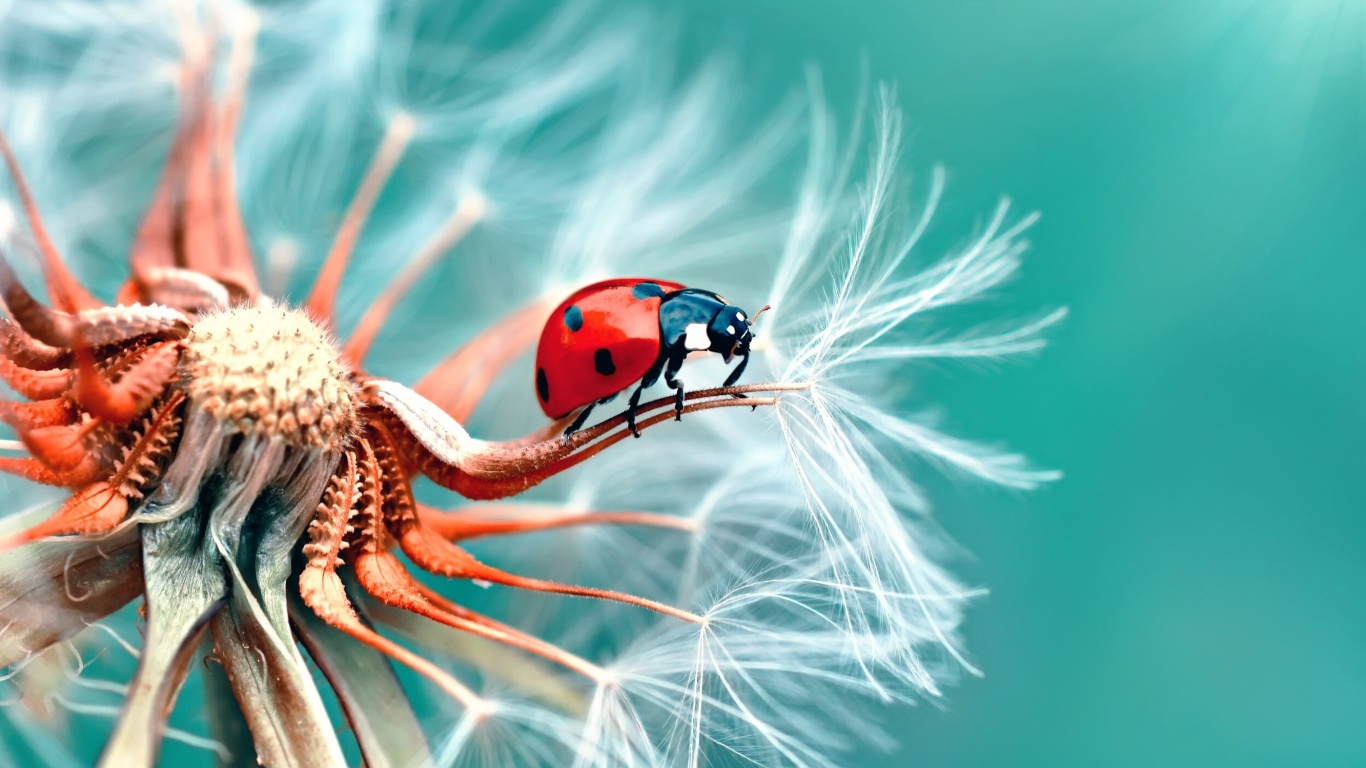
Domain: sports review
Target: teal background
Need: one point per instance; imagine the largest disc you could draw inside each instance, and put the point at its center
(1191, 593)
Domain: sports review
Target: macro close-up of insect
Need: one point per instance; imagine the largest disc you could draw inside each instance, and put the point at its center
(610, 335)
(579, 383)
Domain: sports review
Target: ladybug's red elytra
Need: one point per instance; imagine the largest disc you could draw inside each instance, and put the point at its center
(610, 335)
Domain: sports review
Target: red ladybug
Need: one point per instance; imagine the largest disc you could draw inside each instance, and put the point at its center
(610, 335)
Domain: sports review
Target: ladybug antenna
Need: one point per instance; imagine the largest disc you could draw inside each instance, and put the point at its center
(762, 310)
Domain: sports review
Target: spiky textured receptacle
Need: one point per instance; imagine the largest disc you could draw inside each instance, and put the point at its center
(254, 480)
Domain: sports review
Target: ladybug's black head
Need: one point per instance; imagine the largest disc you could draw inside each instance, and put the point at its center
(694, 320)
(730, 332)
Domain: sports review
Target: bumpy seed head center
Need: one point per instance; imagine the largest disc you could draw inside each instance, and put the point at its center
(270, 371)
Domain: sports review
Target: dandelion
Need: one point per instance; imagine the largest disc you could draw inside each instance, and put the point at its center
(241, 460)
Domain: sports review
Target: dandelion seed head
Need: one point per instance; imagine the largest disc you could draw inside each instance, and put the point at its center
(270, 370)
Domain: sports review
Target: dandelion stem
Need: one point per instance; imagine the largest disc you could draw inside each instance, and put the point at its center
(225, 719)
(592, 442)
(723, 397)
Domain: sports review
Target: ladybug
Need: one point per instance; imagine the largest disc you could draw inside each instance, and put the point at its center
(610, 335)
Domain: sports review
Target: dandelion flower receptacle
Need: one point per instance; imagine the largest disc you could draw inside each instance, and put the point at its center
(239, 467)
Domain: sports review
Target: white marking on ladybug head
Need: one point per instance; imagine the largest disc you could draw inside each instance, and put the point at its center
(730, 329)
(740, 316)
(696, 338)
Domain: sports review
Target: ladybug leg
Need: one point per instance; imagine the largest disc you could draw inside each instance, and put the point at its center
(671, 380)
(646, 381)
(735, 376)
(631, 408)
(578, 422)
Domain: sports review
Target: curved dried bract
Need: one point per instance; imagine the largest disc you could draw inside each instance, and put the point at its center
(479, 469)
(52, 590)
(184, 289)
(194, 222)
(384, 578)
(58, 447)
(141, 380)
(88, 327)
(36, 385)
(57, 411)
(88, 471)
(466, 620)
(437, 432)
(377, 497)
(65, 291)
(379, 711)
(27, 352)
(96, 509)
(330, 526)
(322, 589)
(139, 466)
(99, 508)
(396, 515)
(113, 325)
(52, 327)
(179, 489)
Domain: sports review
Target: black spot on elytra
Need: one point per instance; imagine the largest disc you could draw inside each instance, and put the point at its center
(602, 361)
(542, 385)
(644, 291)
(573, 317)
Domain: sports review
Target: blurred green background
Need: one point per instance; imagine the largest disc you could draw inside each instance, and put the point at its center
(1192, 592)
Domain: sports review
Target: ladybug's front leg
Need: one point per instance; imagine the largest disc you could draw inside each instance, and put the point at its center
(735, 376)
(671, 379)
